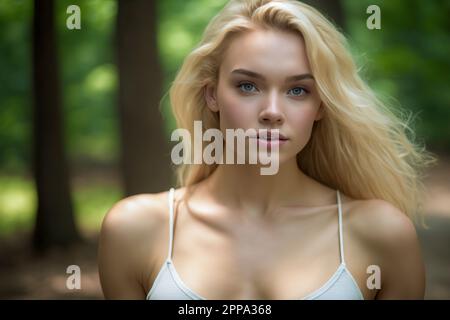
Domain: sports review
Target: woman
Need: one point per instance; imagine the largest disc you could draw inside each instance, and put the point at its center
(334, 222)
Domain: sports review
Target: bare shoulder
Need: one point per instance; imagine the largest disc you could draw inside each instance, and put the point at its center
(390, 235)
(380, 221)
(127, 243)
(135, 214)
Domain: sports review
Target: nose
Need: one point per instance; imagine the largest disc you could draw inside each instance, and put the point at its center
(272, 113)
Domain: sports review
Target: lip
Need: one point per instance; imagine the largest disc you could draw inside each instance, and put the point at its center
(271, 143)
(268, 136)
(269, 140)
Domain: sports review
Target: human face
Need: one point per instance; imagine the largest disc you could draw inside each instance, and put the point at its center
(257, 88)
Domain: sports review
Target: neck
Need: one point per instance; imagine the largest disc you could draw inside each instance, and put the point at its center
(243, 188)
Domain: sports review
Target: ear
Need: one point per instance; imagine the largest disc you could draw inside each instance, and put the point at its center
(320, 112)
(210, 97)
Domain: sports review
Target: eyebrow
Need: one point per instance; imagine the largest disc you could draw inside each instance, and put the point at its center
(259, 76)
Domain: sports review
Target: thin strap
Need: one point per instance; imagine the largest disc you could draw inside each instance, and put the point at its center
(341, 241)
(171, 192)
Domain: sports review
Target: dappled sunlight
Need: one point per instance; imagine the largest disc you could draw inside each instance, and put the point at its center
(18, 203)
(101, 80)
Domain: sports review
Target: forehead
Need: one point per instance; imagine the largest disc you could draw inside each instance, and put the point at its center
(269, 52)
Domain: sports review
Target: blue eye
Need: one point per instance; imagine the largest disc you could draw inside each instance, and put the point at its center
(298, 90)
(246, 85)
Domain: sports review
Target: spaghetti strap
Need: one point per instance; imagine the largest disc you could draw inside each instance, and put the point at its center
(341, 241)
(168, 285)
(171, 195)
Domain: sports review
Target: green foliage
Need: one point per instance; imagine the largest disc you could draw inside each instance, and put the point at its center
(92, 202)
(89, 79)
(18, 203)
(408, 59)
(87, 72)
(15, 77)
(180, 26)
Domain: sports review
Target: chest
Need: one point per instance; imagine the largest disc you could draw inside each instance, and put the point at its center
(253, 262)
(256, 277)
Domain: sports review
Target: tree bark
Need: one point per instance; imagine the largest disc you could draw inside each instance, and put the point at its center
(145, 154)
(55, 223)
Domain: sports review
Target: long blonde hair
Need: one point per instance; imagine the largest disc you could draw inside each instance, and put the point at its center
(360, 146)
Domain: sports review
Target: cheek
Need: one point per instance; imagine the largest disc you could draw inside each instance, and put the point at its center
(301, 124)
(234, 112)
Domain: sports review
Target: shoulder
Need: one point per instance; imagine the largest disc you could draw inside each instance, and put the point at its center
(382, 222)
(132, 215)
(379, 219)
(127, 245)
(391, 237)
(135, 222)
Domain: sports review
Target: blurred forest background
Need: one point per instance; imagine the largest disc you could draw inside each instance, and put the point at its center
(83, 111)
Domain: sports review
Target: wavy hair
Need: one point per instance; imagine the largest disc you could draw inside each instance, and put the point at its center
(360, 146)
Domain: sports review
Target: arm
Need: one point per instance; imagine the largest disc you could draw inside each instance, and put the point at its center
(402, 269)
(124, 248)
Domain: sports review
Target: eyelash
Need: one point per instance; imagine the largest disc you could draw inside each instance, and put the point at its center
(244, 83)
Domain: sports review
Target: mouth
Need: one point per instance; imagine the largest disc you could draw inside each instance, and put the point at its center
(269, 136)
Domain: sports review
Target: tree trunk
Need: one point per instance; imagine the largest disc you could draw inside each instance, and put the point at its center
(145, 154)
(55, 223)
(332, 9)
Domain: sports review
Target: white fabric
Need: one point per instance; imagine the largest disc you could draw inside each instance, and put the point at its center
(169, 286)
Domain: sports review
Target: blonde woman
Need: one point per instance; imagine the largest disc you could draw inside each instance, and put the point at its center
(337, 219)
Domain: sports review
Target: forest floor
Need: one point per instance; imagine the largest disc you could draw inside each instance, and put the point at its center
(24, 275)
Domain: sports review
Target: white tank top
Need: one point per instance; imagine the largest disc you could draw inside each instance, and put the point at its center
(169, 286)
